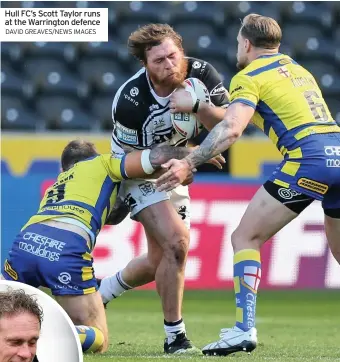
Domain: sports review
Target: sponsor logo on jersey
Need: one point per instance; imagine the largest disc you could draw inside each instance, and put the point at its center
(203, 67)
(134, 92)
(238, 88)
(126, 96)
(64, 277)
(63, 208)
(312, 185)
(332, 162)
(218, 90)
(41, 246)
(196, 65)
(126, 135)
(332, 150)
(287, 194)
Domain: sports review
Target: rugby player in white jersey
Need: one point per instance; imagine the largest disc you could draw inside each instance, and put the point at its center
(141, 114)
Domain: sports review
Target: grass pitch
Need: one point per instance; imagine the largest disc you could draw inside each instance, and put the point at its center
(292, 326)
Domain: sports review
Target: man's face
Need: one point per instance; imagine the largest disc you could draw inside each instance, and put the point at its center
(19, 335)
(166, 64)
(242, 52)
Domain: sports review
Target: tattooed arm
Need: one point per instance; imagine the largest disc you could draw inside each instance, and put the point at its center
(159, 155)
(220, 138)
(223, 135)
(164, 153)
(133, 163)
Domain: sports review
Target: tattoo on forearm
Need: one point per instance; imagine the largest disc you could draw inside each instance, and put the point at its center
(162, 154)
(218, 140)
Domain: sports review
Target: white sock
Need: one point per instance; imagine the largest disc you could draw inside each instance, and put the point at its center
(112, 287)
(172, 329)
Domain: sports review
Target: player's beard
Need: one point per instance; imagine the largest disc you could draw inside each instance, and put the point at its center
(176, 79)
(242, 63)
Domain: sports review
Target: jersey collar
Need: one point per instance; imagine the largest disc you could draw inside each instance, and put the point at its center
(268, 55)
(156, 96)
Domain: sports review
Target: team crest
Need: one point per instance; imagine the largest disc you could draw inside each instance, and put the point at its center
(147, 188)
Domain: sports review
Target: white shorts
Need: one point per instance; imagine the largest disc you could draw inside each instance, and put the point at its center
(139, 194)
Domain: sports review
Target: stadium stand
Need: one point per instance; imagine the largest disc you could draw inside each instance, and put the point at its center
(65, 86)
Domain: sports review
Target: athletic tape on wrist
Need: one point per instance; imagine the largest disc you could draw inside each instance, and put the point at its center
(146, 164)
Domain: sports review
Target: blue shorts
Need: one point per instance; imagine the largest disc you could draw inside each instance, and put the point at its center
(58, 259)
(316, 173)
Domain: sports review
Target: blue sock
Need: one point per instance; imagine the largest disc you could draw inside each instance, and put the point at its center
(247, 276)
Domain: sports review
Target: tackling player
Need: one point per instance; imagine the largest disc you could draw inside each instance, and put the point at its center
(54, 248)
(141, 114)
(283, 99)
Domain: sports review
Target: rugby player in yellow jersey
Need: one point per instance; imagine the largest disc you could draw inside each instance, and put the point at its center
(283, 99)
(54, 248)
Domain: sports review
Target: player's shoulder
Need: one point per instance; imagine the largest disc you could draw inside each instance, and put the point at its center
(241, 76)
(264, 63)
(105, 161)
(197, 68)
(242, 81)
(132, 90)
(106, 157)
(89, 163)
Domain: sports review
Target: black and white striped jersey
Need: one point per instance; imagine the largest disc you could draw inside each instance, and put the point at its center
(141, 118)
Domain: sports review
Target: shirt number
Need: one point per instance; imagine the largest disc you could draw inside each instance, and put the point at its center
(317, 108)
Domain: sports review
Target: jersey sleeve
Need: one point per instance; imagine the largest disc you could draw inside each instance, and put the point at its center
(115, 167)
(243, 89)
(124, 115)
(211, 78)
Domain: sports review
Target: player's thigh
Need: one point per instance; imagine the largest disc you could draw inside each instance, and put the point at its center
(271, 208)
(140, 194)
(163, 224)
(332, 229)
(155, 252)
(180, 199)
(85, 309)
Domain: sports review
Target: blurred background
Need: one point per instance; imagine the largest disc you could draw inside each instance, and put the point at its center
(54, 92)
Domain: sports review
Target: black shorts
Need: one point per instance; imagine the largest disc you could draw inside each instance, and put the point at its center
(294, 200)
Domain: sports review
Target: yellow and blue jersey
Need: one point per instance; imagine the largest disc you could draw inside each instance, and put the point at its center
(59, 259)
(288, 103)
(290, 110)
(87, 192)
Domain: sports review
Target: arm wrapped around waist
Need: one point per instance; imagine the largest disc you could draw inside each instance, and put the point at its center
(119, 212)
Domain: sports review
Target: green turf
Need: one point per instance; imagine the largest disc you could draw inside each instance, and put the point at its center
(292, 326)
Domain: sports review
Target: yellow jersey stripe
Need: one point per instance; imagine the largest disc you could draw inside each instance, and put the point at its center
(281, 183)
(290, 168)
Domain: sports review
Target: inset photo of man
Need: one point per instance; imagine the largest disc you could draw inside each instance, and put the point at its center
(34, 328)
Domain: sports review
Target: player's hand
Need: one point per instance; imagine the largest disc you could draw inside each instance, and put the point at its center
(217, 161)
(119, 212)
(178, 172)
(188, 180)
(182, 101)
